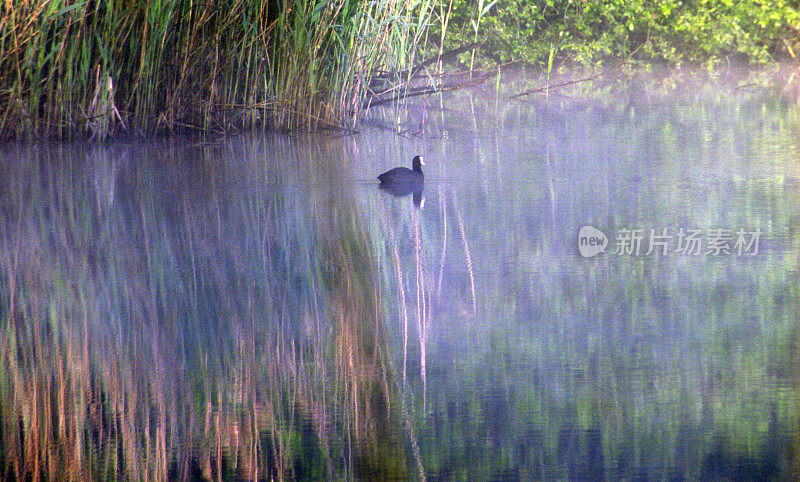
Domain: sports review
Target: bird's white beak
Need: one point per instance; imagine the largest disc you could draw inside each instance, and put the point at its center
(422, 160)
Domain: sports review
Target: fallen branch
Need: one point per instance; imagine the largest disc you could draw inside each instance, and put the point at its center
(375, 99)
(539, 90)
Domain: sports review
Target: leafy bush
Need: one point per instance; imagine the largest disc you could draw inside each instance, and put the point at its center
(672, 31)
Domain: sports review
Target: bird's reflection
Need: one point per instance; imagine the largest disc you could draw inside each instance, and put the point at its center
(403, 189)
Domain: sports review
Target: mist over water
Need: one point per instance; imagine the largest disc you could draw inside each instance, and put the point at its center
(255, 307)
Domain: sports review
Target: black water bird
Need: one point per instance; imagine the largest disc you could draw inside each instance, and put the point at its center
(402, 181)
(400, 176)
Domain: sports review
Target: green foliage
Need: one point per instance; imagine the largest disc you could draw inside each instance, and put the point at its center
(673, 31)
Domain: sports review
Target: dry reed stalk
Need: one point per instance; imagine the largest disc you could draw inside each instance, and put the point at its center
(422, 328)
(443, 208)
(403, 309)
(460, 223)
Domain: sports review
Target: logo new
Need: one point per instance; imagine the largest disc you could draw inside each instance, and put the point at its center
(591, 241)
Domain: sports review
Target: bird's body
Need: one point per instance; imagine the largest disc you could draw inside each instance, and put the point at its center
(404, 175)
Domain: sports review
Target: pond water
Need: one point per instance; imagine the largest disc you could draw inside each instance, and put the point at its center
(583, 289)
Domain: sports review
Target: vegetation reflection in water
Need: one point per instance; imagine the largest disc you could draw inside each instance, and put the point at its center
(624, 366)
(256, 308)
(176, 310)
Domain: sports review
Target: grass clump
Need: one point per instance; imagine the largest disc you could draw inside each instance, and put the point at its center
(72, 66)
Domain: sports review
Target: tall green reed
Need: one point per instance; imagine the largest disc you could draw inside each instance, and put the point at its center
(103, 66)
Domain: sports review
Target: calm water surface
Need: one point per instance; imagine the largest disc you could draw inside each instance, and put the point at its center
(256, 307)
